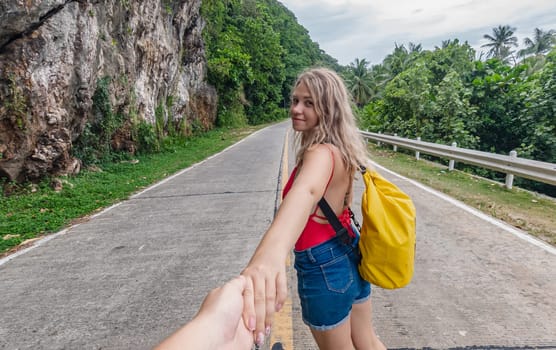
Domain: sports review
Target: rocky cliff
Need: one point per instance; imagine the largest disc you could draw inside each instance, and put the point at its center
(54, 53)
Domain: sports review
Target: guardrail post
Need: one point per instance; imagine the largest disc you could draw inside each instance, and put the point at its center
(395, 146)
(378, 143)
(452, 162)
(510, 177)
(417, 153)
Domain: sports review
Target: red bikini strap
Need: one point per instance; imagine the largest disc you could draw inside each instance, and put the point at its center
(330, 179)
(333, 166)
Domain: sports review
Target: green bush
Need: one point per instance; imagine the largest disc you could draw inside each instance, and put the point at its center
(94, 144)
(147, 140)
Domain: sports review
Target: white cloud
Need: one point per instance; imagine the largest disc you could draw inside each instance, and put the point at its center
(349, 29)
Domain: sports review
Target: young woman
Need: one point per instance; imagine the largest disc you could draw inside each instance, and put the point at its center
(335, 301)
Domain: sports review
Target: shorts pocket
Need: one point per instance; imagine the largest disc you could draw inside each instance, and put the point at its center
(338, 274)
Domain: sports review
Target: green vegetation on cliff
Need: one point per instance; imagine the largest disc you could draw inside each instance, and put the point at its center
(255, 49)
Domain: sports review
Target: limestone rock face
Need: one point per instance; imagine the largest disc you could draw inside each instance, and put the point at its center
(53, 53)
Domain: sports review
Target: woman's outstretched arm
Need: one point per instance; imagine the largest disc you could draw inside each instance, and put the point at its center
(267, 267)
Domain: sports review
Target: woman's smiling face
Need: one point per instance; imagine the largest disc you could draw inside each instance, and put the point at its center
(302, 109)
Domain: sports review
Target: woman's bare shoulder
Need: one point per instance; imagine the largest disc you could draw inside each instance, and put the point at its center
(320, 153)
(322, 148)
(317, 158)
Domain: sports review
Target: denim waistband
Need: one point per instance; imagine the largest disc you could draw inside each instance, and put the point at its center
(324, 251)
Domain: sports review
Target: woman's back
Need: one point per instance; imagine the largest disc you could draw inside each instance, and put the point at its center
(337, 193)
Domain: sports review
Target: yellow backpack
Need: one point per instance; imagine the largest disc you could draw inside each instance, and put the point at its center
(387, 241)
(387, 236)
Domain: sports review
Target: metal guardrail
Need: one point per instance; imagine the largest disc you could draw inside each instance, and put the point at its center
(510, 165)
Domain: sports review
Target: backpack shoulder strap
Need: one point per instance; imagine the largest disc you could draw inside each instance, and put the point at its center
(330, 215)
(341, 231)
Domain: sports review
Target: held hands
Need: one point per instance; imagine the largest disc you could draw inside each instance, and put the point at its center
(266, 294)
(222, 308)
(218, 324)
(259, 292)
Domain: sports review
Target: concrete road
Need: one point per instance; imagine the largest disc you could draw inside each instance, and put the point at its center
(129, 276)
(478, 283)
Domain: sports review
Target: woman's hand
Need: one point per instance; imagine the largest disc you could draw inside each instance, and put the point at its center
(267, 273)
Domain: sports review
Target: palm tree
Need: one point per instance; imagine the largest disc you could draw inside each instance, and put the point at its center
(534, 63)
(360, 82)
(501, 42)
(414, 48)
(446, 43)
(380, 76)
(541, 43)
(397, 61)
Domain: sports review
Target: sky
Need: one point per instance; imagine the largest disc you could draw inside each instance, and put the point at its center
(349, 29)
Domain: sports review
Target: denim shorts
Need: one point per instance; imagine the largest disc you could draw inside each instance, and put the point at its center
(328, 283)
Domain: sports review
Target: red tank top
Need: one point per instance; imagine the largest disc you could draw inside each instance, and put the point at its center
(315, 232)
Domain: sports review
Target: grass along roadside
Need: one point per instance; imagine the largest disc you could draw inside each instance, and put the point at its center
(528, 211)
(37, 210)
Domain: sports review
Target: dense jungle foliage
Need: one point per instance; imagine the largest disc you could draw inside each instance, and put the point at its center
(255, 49)
(447, 95)
(502, 102)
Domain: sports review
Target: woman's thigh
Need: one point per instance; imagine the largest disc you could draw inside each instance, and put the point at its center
(358, 333)
(362, 331)
(338, 338)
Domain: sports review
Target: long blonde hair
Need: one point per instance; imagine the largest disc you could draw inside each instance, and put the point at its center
(337, 124)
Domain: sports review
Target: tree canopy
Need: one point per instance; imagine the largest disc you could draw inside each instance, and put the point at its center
(255, 49)
(447, 95)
